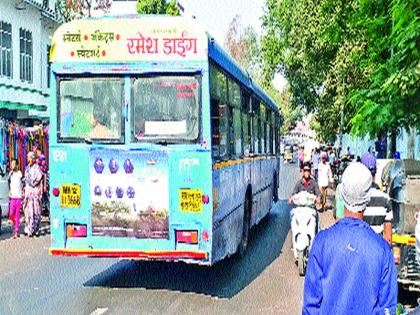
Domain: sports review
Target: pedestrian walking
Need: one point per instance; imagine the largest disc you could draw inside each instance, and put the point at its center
(42, 163)
(33, 195)
(324, 178)
(315, 162)
(301, 157)
(351, 269)
(15, 196)
(348, 152)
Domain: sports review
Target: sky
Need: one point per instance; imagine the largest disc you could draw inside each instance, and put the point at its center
(216, 16)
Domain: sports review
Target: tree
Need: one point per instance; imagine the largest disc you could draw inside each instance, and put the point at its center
(69, 10)
(390, 100)
(353, 63)
(289, 112)
(243, 45)
(157, 7)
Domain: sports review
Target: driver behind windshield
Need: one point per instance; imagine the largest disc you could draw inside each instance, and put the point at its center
(307, 183)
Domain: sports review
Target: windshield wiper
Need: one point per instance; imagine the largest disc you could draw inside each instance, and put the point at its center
(162, 142)
(88, 140)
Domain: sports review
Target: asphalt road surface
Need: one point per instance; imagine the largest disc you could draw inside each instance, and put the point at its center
(265, 281)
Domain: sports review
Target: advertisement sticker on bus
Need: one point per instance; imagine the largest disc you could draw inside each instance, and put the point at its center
(112, 40)
(129, 195)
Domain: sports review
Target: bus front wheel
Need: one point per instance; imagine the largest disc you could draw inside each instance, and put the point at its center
(245, 227)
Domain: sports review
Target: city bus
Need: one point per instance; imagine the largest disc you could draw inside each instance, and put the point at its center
(161, 146)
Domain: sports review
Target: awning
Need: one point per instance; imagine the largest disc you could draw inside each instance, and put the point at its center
(21, 106)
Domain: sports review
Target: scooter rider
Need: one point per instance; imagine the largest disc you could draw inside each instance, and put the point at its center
(307, 183)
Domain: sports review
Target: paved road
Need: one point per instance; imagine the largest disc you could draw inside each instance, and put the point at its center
(265, 281)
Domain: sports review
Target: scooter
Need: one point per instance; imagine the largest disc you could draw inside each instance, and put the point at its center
(304, 225)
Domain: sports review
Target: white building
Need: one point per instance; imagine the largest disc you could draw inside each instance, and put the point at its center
(26, 28)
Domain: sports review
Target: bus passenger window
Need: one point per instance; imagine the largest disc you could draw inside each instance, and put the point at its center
(219, 129)
(90, 108)
(256, 127)
(237, 132)
(166, 107)
(245, 134)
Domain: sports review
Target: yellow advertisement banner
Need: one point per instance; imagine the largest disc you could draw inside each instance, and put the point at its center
(139, 38)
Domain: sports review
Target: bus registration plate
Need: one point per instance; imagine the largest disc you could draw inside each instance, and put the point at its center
(70, 196)
(190, 200)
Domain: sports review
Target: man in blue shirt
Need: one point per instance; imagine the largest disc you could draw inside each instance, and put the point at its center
(351, 269)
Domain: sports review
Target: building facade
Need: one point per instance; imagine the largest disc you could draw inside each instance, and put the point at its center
(26, 29)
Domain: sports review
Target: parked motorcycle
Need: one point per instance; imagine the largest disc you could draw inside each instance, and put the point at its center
(304, 225)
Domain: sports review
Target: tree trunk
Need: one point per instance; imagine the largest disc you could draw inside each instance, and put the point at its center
(411, 143)
(392, 143)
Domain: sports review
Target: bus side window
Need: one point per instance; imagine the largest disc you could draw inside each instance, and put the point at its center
(219, 114)
(269, 132)
(219, 121)
(234, 92)
(263, 135)
(256, 126)
(246, 123)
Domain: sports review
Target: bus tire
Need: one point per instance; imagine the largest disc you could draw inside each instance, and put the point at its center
(245, 226)
(275, 188)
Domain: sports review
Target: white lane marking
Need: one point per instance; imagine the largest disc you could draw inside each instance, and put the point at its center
(99, 311)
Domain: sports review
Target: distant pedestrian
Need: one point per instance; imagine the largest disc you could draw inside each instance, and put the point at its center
(351, 269)
(368, 159)
(15, 196)
(331, 156)
(324, 178)
(348, 152)
(301, 157)
(315, 162)
(33, 194)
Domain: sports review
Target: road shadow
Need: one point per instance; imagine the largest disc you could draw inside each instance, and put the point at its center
(7, 228)
(224, 280)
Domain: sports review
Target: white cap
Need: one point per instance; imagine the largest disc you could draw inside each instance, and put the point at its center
(355, 187)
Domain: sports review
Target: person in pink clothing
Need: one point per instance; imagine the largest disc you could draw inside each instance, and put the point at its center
(301, 158)
(15, 196)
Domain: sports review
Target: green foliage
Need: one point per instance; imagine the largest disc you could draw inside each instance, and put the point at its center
(356, 57)
(290, 113)
(157, 7)
(243, 45)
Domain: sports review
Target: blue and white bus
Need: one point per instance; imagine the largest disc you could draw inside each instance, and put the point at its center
(161, 146)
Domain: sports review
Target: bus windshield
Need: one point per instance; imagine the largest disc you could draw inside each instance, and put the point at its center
(166, 107)
(91, 108)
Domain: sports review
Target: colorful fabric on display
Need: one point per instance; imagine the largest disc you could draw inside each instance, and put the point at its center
(16, 142)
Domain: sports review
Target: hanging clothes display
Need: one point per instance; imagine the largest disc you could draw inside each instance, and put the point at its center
(16, 142)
